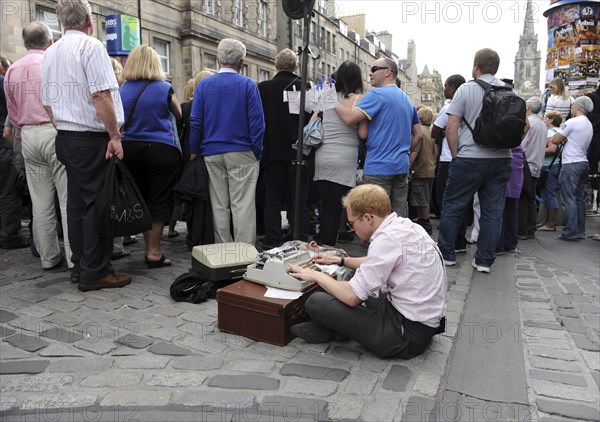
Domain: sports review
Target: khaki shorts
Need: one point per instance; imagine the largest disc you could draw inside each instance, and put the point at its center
(420, 192)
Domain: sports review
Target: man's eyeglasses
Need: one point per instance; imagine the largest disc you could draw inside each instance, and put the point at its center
(350, 223)
(376, 68)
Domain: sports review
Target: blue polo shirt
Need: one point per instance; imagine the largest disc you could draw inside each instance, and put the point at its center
(390, 113)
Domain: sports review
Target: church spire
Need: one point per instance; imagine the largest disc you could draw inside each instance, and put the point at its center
(528, 31)
(528, 58)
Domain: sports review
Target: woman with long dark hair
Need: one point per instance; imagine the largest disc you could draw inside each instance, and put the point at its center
(336, 159)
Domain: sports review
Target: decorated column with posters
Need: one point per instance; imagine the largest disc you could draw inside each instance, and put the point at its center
(574, 44)
(122, 35)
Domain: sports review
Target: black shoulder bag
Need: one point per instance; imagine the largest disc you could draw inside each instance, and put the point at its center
(132, 109)
(541, 183)
(120, 206)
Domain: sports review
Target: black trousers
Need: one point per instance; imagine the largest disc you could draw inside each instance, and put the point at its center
(331, 195)
(280, 187)
(10, 201)
(378, 326)
(86, 166)
(155, 167)
(527, 204)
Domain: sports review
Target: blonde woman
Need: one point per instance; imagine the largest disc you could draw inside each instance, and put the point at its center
(150, 141)
(559, 99)
(118, 69)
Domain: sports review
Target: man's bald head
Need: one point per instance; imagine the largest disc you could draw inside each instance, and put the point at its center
(36, 35)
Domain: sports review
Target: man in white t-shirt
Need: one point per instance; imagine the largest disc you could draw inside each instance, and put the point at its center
(438, 133)
(576, 135)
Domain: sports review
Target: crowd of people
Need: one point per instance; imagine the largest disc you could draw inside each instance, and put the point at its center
(238, 137)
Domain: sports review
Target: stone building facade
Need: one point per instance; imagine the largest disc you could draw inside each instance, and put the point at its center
(432, 89)
(185, 33)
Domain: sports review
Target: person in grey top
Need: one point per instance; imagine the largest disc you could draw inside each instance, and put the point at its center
(474, 168)
(337, 157)
(534, 145)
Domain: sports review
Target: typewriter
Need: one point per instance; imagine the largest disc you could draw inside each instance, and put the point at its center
(272, 267)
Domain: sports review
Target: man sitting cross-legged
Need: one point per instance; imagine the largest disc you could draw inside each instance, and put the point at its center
(401, 281)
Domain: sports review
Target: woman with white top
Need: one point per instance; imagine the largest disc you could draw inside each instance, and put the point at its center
(559, 99)
(576, 136)
(336, 159)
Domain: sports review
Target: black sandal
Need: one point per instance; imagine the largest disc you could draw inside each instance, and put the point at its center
(159, 263)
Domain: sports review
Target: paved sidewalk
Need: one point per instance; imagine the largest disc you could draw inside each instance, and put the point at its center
(134, 354)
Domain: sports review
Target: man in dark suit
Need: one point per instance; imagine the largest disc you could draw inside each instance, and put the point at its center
(280, 134)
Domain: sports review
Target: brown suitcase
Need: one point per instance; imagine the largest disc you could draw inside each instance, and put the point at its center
(243, 310)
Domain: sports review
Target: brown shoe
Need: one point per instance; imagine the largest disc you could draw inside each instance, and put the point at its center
(109, 281)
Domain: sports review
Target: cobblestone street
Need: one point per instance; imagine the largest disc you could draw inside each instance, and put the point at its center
(135, 354)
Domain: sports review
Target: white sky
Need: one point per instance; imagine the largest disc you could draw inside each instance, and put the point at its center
(447, 33)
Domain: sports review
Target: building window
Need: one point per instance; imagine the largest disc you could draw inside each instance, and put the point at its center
(50, 18)
(322, 33)
(162, 48)
(210, 61)
(333, 44)
(263, 75)
(322, 6)
(262, 18)
(299, 28)
(244, 70)
(208, 6)
(313, 32)
(329, 41)
(236, 10)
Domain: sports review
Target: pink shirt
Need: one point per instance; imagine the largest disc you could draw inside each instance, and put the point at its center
(23, 87)
(404, 263)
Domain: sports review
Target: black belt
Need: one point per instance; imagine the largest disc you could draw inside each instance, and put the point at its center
(85, 134)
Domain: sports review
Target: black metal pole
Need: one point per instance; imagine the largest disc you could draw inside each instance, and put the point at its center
(139, 4)
(300, 163)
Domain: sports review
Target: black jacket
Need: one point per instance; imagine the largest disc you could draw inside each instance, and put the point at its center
(281, 126)
(192, 190)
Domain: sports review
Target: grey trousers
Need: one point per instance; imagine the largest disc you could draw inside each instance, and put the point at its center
(232, 187)
(396, 187)
(46, 176)
(377, 325)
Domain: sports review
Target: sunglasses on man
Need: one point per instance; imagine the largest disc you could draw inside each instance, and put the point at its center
(376, 68)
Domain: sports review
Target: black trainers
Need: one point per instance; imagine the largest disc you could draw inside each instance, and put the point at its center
(311, 332)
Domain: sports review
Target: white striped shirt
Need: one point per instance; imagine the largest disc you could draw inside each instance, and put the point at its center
(562, 105)
(74, 68)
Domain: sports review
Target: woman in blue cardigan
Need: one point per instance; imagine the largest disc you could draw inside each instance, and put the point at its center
(150, 142)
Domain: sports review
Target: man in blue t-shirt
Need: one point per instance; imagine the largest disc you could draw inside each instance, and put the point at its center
(393, 129)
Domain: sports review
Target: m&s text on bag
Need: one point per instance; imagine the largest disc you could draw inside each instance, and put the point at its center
(127, 214)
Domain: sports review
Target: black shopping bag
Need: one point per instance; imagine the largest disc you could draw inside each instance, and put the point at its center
(120, 207)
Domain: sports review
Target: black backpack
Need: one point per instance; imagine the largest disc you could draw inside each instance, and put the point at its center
(502, 119)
